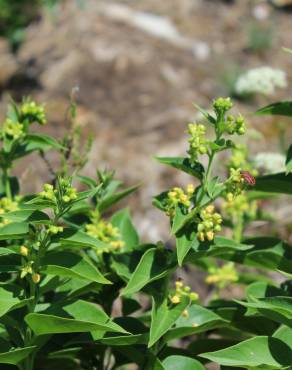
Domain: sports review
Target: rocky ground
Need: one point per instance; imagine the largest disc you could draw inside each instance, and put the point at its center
(139, 66)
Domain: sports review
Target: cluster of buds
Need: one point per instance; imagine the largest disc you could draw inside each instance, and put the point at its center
(221, 276)
(182, 290)
(33, 112)
(107, 233)
(54, 230)
(235, 125)
(198, 142)
(68, 193)
(222, 105)
(210, 224)
(48, 192)
(12, 129)
(6, 205)
(28, 270)
(239, 159)
(240, 205)
(234, 184)
(178, 196)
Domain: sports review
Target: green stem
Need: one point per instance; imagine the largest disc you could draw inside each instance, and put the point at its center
(7, 183)
(238, 229)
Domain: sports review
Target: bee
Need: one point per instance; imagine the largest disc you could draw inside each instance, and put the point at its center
(248, 178)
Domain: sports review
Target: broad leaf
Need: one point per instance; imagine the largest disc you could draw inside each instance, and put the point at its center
(289, 160)
(71, 265)
(277, 183)
(163, 317)
(198, 320)
(16, 355)
(15, 230)
(254, 353)
(154, 265)
(81, 317)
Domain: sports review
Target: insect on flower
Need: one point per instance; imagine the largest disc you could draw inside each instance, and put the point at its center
(248, 177)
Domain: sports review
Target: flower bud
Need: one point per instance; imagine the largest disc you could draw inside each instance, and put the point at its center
(36, 278)
(24, 251)
(175, 299)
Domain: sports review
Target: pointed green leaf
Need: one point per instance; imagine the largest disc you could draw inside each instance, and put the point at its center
(153, 265)
(15, 230)
(112, 199)
(199, 320)
(16, 355)
(277, 183)
(71, 265)
(283, 108)
(163, 317)
(254, 352)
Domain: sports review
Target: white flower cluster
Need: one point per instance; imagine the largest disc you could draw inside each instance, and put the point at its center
(262, 80)
(270, 162)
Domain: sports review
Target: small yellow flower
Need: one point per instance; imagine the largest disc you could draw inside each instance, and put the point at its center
(36, 278)
(175, 299)
(24, 251)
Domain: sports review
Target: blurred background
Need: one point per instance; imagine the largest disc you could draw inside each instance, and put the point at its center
(136, 67)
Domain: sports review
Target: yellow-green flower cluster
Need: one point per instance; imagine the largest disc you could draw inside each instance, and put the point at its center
(198, 142)
(68, 192)
(27, 269)
(234, 184)
(221, 276)
(48, 192)
(6, 205)
(33, 112)
(182, 290)
(235, 125)
(239, 159)
(52, 229)
(222, 105)
(11, 129)
(210, 224)
(107, 233)
(178, 196)
(239, 205)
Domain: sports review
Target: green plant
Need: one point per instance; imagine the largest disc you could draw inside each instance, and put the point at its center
(65, 264)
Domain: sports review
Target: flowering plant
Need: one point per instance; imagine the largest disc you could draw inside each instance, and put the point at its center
(80, 291)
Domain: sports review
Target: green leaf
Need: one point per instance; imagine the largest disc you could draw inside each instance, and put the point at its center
(41, 142)
(71, 265)
(15, 230)
(163, 317)
(254, 353)
(122, 220)
(199, 320)
(278, 309)
(16, 355)
(76, 238)
(9, 301)
(30, 216)
(183, 164)
(112, 199)
(185, 240)
(277, 183)
(283, 108)
(269, 253)
(181, 363)
(154, 265)
(261, 289)
(289, 160)
(87, 317)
